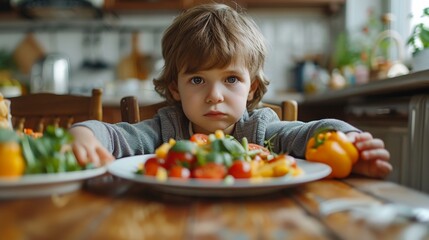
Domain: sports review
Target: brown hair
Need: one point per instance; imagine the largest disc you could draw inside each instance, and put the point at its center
(209, 36)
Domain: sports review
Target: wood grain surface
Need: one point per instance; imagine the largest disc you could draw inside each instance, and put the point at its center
(122, 210)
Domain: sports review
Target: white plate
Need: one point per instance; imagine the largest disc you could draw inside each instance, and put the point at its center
(126, 167)
(38, 185)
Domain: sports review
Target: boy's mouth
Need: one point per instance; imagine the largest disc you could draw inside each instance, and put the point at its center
(214, 114)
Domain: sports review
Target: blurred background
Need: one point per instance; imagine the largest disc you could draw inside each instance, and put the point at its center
(314, 46)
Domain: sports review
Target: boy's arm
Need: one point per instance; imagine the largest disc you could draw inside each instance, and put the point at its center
(292, 137)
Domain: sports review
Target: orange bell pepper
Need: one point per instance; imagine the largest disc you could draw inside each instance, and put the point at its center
(334, 149)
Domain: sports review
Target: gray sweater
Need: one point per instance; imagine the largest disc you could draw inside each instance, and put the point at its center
(124, 139)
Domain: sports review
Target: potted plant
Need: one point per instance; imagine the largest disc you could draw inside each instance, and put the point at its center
(419, 43)
(9, 86)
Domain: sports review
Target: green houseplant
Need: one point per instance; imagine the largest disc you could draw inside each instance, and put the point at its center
(419, 43)
(9, 86)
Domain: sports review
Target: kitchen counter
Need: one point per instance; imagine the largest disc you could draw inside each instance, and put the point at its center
(412, 83)
(406, 84)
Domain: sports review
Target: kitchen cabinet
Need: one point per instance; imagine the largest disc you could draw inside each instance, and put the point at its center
(6, 10)
(390, 120)
(402, 123)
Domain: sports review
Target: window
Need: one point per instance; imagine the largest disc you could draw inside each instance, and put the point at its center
(417, 7)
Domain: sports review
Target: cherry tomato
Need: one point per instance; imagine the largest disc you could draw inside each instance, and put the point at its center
(200, 138)
(240, 169)
(151, 166)
(185, 159)
(209, 171)
(179, 172)
(264, 151)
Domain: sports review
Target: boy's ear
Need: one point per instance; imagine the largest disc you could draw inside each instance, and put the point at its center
(253, 88)
(173, 90)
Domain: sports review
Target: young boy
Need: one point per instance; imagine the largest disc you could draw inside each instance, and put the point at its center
(213, 77)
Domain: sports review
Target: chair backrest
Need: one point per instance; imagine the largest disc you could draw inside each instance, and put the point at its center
(132, 113)
(286, 111)
(289, 110)
(38, 110)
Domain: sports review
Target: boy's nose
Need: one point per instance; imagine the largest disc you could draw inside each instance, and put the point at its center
(214, 95)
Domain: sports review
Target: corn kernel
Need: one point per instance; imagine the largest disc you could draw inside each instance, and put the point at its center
(280, 170)
(161, 174)
(219, 134)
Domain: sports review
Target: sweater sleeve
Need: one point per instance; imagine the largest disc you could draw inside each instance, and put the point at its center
(292, 137)
(124, 139)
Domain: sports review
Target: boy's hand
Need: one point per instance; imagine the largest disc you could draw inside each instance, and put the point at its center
(87, 148)
(373, 157)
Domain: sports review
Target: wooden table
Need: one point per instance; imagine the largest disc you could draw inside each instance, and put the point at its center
(124, 210)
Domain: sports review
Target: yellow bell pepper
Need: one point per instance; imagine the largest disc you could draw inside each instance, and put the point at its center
(334, 149)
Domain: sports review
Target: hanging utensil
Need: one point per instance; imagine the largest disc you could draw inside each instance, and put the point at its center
(27, 53)
(134, 65)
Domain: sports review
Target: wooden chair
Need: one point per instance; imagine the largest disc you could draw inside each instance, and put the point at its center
(132, 113)
(38, 110)
(287, 110)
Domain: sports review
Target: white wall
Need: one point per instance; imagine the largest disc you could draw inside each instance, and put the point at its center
(291, 36)
(357, 13)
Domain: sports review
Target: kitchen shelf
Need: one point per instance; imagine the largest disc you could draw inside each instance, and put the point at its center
(331, 6)
(406, 84)
(124, 5)
(292, 3)
(25, 25)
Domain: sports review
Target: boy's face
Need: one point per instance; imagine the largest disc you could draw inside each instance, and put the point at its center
(216, 98)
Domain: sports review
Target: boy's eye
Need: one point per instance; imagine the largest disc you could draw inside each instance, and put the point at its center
(197, 80)
(231, 80)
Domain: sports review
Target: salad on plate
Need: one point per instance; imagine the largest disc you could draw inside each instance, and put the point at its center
(40, 164)
(217, 157)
